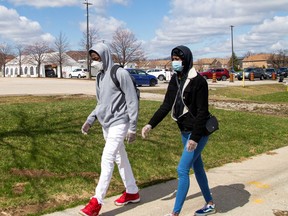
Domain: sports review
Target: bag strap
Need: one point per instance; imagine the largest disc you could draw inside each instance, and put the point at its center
(114, 77)
(98, 78)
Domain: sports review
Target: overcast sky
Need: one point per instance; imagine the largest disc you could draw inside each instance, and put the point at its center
(202, 25)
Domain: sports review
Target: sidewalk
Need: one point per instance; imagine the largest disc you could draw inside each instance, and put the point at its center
(254, 187)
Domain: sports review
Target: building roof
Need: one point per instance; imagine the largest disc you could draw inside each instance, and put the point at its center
(257, 57)
(77, 55)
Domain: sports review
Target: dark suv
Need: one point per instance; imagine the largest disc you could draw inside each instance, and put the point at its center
(283, 71)
(221, 73)
(258, 73)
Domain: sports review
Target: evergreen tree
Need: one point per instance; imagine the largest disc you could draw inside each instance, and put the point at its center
(234, 58)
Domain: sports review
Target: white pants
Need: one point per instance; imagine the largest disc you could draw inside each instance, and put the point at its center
(114, 151)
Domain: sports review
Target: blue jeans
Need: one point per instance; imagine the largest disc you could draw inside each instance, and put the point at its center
(191, 160)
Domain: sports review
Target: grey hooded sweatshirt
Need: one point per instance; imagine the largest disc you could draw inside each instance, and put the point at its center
(113, 106)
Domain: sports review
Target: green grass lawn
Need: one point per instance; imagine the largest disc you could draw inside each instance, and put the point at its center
(47, 164)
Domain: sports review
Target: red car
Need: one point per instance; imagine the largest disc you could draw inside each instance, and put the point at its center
(221, 73)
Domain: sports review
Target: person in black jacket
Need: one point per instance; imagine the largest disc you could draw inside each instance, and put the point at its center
(187, 99)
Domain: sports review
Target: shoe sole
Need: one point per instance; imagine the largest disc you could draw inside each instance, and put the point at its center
(205, 214)
(131, 201)
(82, 213)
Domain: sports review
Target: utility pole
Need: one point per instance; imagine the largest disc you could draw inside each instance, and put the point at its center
(87, 37)
(232, 58)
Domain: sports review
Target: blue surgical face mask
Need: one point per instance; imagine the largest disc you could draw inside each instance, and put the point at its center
(177, 66)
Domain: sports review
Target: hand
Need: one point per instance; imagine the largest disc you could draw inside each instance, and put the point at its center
(145, 130)
(85, 128)
(131, 136)
(191, 145)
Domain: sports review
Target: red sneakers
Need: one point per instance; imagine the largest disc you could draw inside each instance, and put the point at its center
(92, 208)
(127, 198)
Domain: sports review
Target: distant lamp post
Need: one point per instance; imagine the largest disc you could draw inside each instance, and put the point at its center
(232, 58)
(87, 37)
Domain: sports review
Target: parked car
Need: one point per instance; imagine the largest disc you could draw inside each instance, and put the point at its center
(221, 73)
(142, 78)
(269, 72)
(79, 73)
(282, 71)
(159, 73)
(50, 73)
(236, 73)
(258, 73)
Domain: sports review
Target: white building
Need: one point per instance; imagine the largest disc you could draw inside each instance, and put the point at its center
(29, 66)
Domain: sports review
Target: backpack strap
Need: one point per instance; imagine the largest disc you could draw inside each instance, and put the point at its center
(113, 76)
(98, 78)
(116, 82)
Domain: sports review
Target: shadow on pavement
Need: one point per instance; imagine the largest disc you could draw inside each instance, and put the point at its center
(150, 194)
(226, 197)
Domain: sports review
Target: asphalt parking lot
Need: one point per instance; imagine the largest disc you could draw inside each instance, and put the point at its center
(54, 86)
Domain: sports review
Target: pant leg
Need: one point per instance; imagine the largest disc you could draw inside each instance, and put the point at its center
(199, 170)
(125, 170)
(191, 160)
(114, 137)
(183, 169)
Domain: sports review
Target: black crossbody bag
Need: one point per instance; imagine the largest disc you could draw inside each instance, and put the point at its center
(212, 124)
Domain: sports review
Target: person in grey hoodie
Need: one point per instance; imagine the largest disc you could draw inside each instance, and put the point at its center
(117, 112)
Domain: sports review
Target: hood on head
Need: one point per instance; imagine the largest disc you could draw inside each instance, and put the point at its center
(104, 52)
(185, 54)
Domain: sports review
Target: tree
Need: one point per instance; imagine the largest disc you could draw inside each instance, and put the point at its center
(249, 53)
(61, 46)
(37, 53)
(20, 52)
(93, 38)
(234, 58)
(125, 47)
(5, 51)
(279, 59)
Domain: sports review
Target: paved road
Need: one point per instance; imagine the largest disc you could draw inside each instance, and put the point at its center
(255, 187)
(55, 86)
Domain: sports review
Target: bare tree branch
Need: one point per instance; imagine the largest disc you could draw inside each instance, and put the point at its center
(5, 51)
(279, 59)
(125, 47)
(61, 46)
(37, 53)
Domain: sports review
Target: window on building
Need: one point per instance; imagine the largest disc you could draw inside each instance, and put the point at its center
(31, 70)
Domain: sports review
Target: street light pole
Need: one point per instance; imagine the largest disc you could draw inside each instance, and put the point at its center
(232, 58)
(87, 37)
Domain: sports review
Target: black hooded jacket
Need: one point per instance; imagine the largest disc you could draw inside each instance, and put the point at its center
(194, 98)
